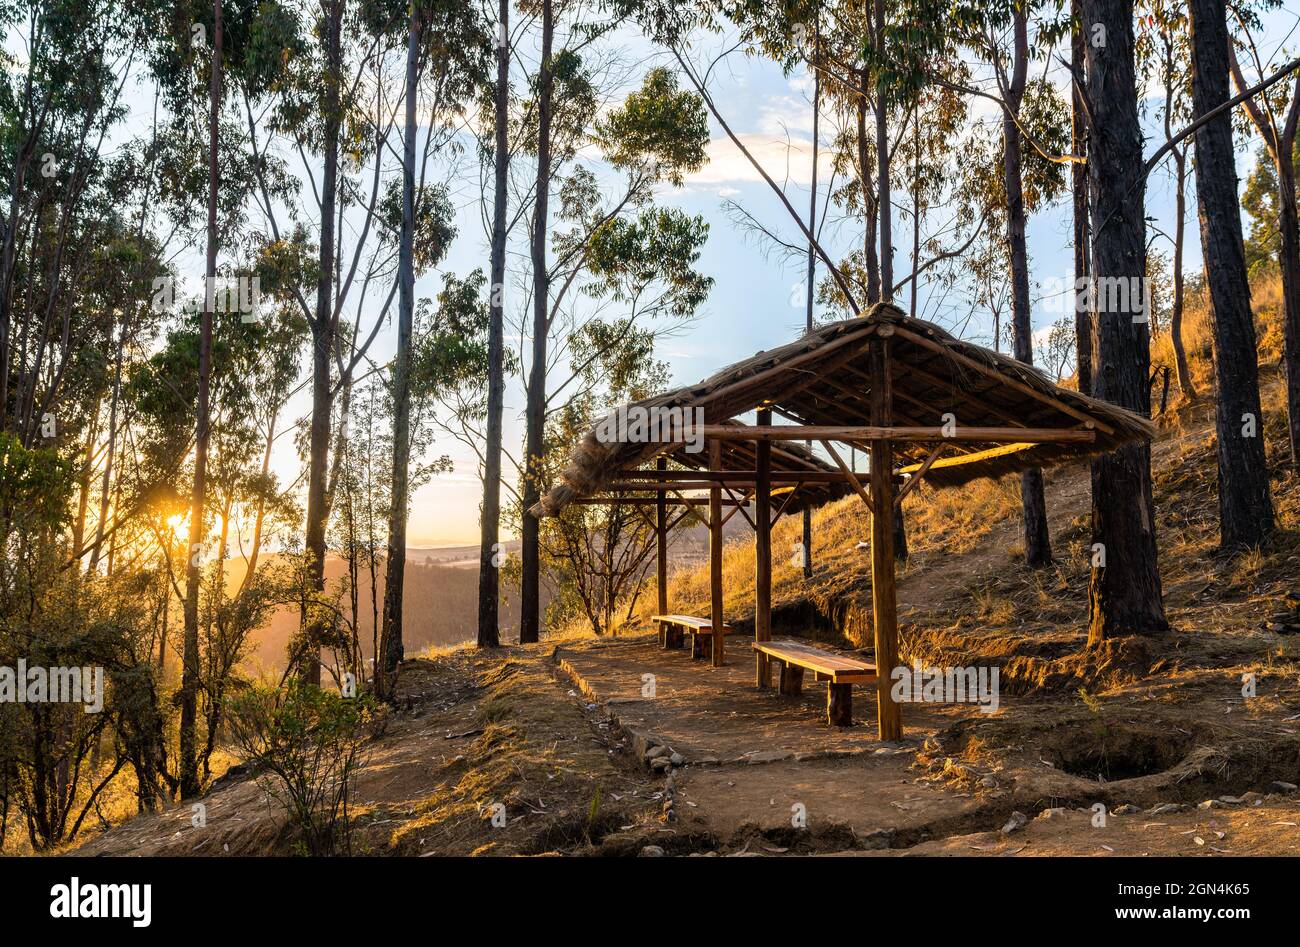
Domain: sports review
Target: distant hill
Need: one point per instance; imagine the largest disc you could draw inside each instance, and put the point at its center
(440, 605)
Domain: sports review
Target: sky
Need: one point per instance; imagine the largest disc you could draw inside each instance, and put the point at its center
(757, 299)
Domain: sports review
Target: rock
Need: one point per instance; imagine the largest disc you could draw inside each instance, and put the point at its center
(651, 851)
(1280, 786)
(1017, 822)
(660, 764)
(1127, 809)
(656, 751)
(1165, 808)
(1252, 798)
(1210, 804)
(988, 782)
(1054, 813)
(677, 759)
(1232, 800)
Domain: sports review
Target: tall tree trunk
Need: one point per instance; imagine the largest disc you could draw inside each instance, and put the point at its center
(391, 646)
(1280, 142)
(1124, 594)
(489, 575)
(322, 332)
(883, 196)
(1079, 193)
(1245, 504)
(869, 213)
(806, 564)
(535, 412)
(1289, 263)
(1038, 542)
(189, 761)
(1185, 384)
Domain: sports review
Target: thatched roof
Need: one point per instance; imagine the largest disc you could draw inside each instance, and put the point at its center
(825, 378)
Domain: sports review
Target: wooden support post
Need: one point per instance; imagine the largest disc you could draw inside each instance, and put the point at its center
(884, 605)
(839, 705)
(661, 542)
(715, 556)
(791, 679)
(763, 551)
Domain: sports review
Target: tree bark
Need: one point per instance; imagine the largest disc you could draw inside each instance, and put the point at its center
(882, 165)
(806, 565)
(1079, 193)
(489, 576)
(1185, 384)
(322, 331)
(535, 412)
(1038, 542)
(391, 647)
(1124, 594)
(189, 761)
(1289, 263)
(1245, 503)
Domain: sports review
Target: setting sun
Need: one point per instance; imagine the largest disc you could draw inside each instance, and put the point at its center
(179, 525)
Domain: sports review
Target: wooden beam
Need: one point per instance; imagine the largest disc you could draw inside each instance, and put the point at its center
(661, 542)
(884, 604)
(763, 552)
(917, 474)
(715, 558)
(821, 432)
(852, 477)
(1004, 378)
(733, 476)
(599, 500)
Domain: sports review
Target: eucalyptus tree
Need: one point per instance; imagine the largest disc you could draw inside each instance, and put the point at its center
(1245, 500)
(1124, 593)
(656, 136)
(446, 58)
(1163, 55)
(1276, 116)
(1000, 34)
(489, 577)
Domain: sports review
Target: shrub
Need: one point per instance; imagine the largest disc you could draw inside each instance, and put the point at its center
(307, 744)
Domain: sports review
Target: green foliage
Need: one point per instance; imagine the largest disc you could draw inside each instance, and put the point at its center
(307, 744)
(658, 128)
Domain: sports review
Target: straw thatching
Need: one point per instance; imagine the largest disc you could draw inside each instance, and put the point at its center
(824, 378)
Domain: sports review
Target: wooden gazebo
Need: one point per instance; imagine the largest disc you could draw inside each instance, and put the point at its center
(920, 402)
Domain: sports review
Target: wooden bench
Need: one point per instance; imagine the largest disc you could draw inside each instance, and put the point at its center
(838, 671)
(673, 627)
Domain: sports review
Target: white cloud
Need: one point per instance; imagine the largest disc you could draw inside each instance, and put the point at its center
(786, 160)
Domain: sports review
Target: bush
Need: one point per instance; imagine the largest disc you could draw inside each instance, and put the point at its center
(307, 744)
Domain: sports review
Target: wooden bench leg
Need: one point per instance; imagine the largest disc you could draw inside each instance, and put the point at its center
(791, 680)
(697, 647)
(839, 705)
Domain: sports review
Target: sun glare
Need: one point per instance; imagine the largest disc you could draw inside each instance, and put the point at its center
(179, 527)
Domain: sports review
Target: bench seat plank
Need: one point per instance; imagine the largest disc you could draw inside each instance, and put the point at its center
(702, 625)
(833, 668)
